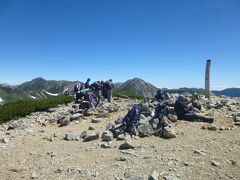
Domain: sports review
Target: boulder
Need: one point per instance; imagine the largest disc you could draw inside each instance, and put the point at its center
(172, 118)
(107, 136)
(90, 136)
(70, 137)
(96, 120)
(153, 176)
(75, 117)
(126, 145)
(169, 132)
(64, 121)
(145, 131)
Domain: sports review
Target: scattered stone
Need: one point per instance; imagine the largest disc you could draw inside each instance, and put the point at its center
(70, 137)
(52, 120)
(237, 119)
(169, 132)
(237, 123)
(212, 127)
(91, 128)
(120, 159)
(96, 120)
(64, 121)
(222, 128)
(107, 136)
(90, 136)
(201, 152)
(121, 137)
(5, 140)
(172, 118)
(215, 163)
(34, 175)
(126, 145)
(145, 131)
(129, 151)
(129, 176)
(75, 117)
(171, 178)
(89, 113)
(153, 176)
(106, 145)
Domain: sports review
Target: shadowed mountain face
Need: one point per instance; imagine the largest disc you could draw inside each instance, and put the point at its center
(138, 87)
(232, 92)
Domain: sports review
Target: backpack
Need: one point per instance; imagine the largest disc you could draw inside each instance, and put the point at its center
(133, 116)
(108, 85)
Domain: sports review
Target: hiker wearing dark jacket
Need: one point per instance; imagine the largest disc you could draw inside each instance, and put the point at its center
(87, 84)
(183, 109)
(159, 96)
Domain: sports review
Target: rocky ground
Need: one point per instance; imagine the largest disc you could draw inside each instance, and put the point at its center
(35, 147)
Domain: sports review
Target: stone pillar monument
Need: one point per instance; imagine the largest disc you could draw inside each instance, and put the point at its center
(207, 79)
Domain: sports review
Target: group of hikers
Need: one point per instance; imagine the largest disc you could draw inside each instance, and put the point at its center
(88, 95)
(185, 108)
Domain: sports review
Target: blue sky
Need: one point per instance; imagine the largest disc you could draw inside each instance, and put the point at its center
(165, 42)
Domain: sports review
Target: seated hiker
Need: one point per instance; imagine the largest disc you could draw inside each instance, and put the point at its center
(131, 120)
(183, 108)
(88, 100)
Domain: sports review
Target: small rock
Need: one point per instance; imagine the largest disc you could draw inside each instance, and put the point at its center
(237, 119)
(34, 175)
(107, 136)
(201, 152)
(91, 136)
(121, 137)
(52, 120)
(215, 163)
(237, 123)
(96, 120)
(171, 178)
(172, 118)
(126, 145)
(64, 121)
(106, 146)
(75, 117)
(120, 159)
(70, 137)
(153, 176)
(5, 140)
(169, 132)
(91, 128)
(212, 127)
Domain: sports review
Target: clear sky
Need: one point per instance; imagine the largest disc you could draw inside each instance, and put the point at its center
(165, 42)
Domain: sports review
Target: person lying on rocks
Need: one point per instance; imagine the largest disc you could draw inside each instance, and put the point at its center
(184, 111)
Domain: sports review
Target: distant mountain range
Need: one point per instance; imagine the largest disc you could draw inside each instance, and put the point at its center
(35, 89)
(40, 88)
(232, 92)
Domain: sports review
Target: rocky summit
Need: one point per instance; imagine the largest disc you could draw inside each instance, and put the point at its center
(64, 144)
